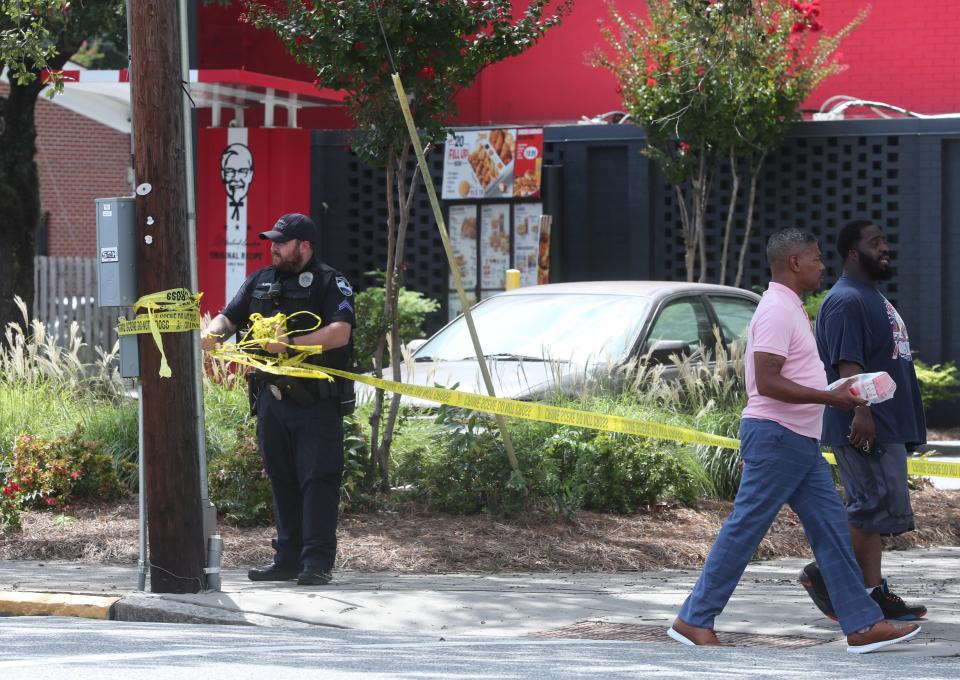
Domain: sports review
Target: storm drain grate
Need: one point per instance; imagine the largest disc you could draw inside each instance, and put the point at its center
(601, 630)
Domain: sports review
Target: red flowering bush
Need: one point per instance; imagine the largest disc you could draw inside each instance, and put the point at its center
(9, 508)
(727, 78)
(50, 473)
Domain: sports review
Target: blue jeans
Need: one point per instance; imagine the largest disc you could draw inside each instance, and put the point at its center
(781, 466)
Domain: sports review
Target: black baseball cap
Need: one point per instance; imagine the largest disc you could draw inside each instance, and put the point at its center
(292, 226)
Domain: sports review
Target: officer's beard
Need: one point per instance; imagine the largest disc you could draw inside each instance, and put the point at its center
(292, 264)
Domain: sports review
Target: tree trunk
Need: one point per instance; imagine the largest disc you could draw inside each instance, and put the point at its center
(689, 251)
(701, 196)
(400, 196)
(376, 416)
(755, 166)
(19, 199)
(731, 211)
(170, 446)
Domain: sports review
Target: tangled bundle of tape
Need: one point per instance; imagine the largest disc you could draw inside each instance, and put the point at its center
(264, 331)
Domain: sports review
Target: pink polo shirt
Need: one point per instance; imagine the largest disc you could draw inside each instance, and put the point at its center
(780, 326)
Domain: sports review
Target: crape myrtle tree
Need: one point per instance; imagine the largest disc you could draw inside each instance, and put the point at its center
(37, 38)
(438, 48)
(716, 81)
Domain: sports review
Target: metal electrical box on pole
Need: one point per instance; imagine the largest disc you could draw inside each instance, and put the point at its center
(117, 268)
(116, 246)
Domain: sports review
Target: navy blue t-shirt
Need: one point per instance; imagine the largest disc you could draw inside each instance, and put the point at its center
(858, 324)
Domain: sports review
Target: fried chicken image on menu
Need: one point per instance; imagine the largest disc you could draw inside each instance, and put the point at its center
(483, 165)
(502, 143)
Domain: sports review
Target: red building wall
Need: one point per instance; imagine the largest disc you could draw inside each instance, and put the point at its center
(79, 160)
(905, 53)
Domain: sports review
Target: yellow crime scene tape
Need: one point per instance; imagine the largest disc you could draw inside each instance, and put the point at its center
(269, 330)
(170, 311)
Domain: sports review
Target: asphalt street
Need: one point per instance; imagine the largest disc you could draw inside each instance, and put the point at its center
(75, 649)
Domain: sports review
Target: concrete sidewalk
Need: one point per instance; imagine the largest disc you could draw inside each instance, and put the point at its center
(769, 600)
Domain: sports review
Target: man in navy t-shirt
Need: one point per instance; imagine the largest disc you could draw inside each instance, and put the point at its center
(859, 331)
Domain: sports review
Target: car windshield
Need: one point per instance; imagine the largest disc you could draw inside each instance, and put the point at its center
(553, 327)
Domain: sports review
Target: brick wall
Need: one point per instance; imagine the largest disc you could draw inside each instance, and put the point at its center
(78, 160)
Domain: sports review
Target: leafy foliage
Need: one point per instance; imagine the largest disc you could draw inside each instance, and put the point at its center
(413, 310)
(26, 44)
(436, 47)
(702, 76)
(938, 382)
(46, 473)
(714, 80)
(238, 485)
(812, 303)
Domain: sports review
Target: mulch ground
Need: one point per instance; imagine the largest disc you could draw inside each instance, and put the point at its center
(415, 541)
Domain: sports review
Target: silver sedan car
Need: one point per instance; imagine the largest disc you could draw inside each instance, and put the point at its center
(542, 340)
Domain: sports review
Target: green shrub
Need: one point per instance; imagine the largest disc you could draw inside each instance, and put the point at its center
(238, 485)
(240, 490)
(812, 303)
(114, 425)
(49, 473)
(356, 491)
(414, 308)
(464, 469)
(721, 467)
(625, 474)
(9, 506)
(938, 382)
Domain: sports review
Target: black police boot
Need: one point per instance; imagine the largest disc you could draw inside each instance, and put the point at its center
(314, 577)
(812, 581)
(272, 572)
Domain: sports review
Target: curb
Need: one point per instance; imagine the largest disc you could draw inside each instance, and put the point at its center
(149, 608)
(137, 607)
(56, 604)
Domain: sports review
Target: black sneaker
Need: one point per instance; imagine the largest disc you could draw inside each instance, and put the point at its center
(893, 605)
(812, 581)
(272, 572)
(314, 577)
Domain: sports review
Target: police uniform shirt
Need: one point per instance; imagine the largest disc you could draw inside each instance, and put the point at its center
(317, 288)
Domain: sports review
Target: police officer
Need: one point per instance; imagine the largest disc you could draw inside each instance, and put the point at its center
(299, 420)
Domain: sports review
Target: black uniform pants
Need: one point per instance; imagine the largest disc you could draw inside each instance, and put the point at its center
(302, 449)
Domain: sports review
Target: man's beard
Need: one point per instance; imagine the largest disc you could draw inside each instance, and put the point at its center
(293, 264)
(871, 267)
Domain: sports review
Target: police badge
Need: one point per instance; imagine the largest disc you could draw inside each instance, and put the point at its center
(306, 278)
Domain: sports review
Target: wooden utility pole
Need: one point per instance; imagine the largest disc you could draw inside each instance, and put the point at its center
(170, 438)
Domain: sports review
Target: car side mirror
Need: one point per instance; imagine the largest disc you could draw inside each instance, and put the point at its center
(663, 350)
(414, 345)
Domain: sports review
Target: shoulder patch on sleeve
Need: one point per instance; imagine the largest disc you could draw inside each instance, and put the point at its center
(344, 286)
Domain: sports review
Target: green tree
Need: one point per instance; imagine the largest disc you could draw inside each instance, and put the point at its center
(715, 82)
(438, 47)
(37, 38)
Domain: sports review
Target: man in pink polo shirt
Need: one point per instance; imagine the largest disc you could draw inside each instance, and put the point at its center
(782, 463)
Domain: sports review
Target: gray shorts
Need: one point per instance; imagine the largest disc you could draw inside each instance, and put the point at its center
(875, 489)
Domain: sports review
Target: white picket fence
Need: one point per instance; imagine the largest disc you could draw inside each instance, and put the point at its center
(65, 290)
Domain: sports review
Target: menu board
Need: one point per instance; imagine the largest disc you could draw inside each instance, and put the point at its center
(494, 244)
(462, 225)
(526, 241)
(528, 164)
(483, 163)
